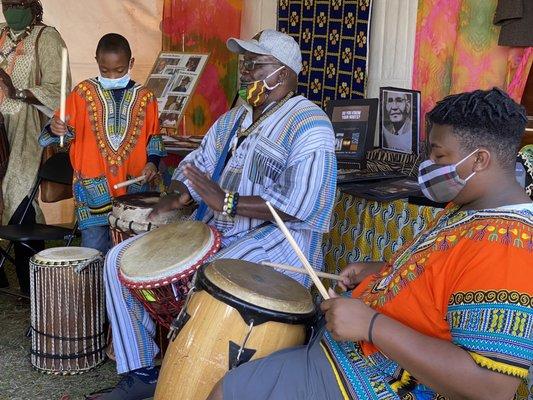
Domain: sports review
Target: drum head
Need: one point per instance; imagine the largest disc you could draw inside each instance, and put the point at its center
(168, 253)
(258, 285)
(65, 255)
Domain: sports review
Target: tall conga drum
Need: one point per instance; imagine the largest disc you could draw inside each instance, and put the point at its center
(158, 267)
(67, 310)
(130, 215)
(238, 311)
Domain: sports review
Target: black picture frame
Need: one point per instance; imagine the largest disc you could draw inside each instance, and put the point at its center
(354, 125)
(399, 120)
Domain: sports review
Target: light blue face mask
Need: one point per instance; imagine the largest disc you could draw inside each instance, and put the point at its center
(118, 83)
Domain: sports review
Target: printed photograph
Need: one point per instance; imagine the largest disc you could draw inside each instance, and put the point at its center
(175, 103)
(183, 84)
(157, 84)
(164, 63)
(399, 120)
(169, 119)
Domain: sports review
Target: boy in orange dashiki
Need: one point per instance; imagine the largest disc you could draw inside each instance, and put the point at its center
(113, 132)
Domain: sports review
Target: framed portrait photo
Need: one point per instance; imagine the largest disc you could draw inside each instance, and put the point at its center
(399, 120)
(354, 123)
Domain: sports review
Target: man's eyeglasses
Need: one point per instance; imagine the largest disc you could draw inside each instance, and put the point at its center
(250, 65)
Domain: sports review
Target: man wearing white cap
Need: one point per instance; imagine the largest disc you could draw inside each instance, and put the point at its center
(278, 147)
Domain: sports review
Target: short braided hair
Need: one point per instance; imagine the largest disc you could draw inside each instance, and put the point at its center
(487, 118)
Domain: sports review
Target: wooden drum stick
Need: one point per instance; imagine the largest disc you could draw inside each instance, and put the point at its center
(129, 182)
(299, 253)
(63, 98)
(302, 270)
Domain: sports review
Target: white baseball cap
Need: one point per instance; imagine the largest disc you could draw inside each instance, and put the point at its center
(271, 43)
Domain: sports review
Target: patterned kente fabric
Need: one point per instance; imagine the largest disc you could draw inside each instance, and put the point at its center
(333, 36)
(468, 279)
(111, 135)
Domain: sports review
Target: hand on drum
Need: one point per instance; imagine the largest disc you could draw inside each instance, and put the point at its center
(210, 192)
(149, 171)
(354, 273)
(170, 202)
(347, 319)
(58, 127)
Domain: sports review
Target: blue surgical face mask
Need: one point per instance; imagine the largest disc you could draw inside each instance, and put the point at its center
(118, 83)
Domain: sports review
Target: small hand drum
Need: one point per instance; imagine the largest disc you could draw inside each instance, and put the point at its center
(237, 311)
(158, 266)
(130, 215)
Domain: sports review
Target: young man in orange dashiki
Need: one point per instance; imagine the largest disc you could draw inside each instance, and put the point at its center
(113, 131)
(451, 314)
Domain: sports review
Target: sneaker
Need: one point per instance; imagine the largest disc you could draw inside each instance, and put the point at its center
(130, 387)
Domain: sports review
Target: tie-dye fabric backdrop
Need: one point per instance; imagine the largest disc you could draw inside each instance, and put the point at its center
(457, 50)
(203, 27)
(333, 36)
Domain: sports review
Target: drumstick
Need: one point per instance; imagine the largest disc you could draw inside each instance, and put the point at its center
(299, 253)
(302, 270)
(129, 182)
(63, 101)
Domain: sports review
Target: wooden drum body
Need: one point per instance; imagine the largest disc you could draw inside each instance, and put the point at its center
(159, 266)
(130, 215)
(67, 310)
(239, 311)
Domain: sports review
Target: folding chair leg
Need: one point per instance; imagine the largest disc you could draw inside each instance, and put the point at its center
(70, 238)
(5, 254)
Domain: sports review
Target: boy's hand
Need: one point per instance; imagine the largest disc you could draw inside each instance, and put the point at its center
(150, 171)
(58, 127)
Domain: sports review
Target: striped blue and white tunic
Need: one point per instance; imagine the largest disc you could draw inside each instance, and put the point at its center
(289, 160)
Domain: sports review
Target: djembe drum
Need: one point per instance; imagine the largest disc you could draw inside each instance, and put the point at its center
(67, 310)
(130, 215)
(237, 311)
(158, 267)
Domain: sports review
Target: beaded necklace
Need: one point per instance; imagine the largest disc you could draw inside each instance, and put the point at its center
(15, 40)
(251, 128)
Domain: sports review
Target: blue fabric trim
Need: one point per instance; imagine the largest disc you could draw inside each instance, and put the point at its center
(202, 208)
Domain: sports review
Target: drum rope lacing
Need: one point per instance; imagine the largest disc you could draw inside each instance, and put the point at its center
(73, 339)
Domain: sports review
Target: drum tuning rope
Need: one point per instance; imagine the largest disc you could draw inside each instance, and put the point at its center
(243, 345)
(176, 325)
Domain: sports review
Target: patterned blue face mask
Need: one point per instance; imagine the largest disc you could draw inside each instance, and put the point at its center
(118, 83)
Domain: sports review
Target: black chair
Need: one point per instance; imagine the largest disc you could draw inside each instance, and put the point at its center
(56, 169)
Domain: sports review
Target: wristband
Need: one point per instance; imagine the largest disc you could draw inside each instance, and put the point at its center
(371, 327)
